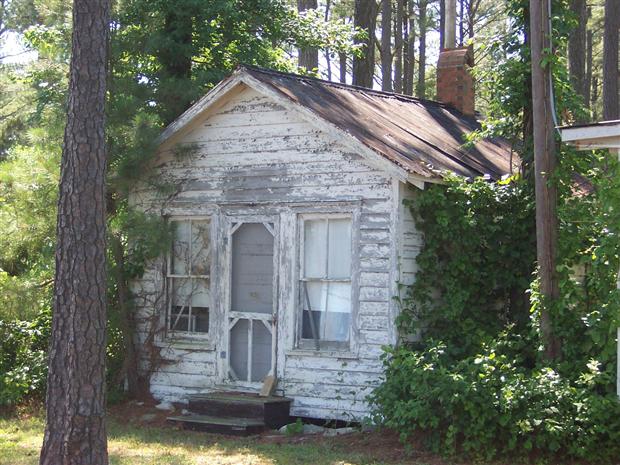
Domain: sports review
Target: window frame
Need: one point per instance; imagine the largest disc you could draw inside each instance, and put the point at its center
(325, 346)
(170, 277)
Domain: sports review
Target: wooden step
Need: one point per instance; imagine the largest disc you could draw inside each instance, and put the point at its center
(220, 425)
(273, 411)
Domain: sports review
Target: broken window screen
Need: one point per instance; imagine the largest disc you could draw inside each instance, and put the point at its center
(189, 295)
(326, 279)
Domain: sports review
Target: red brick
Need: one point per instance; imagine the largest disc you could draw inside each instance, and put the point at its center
(455, 83)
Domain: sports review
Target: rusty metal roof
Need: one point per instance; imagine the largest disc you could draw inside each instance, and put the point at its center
(422, 136)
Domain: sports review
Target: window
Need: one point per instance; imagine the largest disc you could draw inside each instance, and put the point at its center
(325, 282)
(189, 295)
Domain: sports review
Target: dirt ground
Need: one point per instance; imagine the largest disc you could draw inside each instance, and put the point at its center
(380, 445)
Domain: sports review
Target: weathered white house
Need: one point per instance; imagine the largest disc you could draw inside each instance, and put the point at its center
(291, 235)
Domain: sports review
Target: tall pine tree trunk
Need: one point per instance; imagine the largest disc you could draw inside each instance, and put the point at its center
(461, 22)
(364, 66)
(449, 40)
(398, 47)
(588, 84)
(421, 86)
(577, 48)
(342, 67)
(610, 60)
(442, 24)
(386, 45)
(409, 53)
(328, 58)
(308, 58)
(75, 432)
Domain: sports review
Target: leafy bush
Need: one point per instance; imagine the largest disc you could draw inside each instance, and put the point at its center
(476, 264)
(23, 358)
(488, 405)
(485, 390)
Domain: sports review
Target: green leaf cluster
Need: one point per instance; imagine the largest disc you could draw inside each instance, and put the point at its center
(476, 263)
(489, 406)
(23, 358)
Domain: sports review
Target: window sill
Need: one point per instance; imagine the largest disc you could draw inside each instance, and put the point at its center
(183, 343)
(345, 355)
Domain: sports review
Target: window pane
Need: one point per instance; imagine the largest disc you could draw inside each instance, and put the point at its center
(200, 320)
(338, 315)
(307, 330)
(317, 293)
(179, 319)
(339, 262)
(317, 297)
(337, 326)
(183, 292)
(200, 293)
(200, 247)
(339, 298)
(315, 248)
(180, 248)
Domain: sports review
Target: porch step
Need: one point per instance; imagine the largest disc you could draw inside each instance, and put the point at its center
(272, 411)
(220, 425)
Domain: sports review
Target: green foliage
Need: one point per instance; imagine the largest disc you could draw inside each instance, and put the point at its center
(475, 382)
(295, 429)
(169, 53)
(144, 237)
(23, 358)
(504, 76)
(478, 258)
(489, 405)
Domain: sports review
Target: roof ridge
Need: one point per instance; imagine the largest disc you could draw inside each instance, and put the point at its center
(380, 93)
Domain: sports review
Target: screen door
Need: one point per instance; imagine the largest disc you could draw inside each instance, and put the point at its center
(251, 316)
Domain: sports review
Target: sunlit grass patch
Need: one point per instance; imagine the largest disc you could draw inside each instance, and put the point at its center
(130, 444)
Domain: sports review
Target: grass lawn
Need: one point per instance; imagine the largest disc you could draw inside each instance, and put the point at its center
(131, 443)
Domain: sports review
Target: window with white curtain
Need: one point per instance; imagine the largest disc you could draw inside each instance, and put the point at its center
(188, 279)
(325, 281)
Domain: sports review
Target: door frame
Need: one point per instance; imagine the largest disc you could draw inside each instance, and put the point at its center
(230, 222)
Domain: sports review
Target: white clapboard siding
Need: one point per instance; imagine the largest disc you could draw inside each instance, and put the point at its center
(253, 151)
(410, 238)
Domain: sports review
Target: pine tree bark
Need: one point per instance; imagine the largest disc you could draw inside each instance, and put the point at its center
(327, 52)
(308, 57)
(577, 48)
(409, 53)
(587, 96)
(421, 85)
(544, 166)
(442, 24)
(75, 432)
(365, 17)
(449, 39)
(342, 64)
(386, 45)
(461, 22)
(594, 98)
(398, 47)
(611, 109)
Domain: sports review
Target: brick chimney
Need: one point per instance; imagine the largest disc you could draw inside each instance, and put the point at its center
(455, 83)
